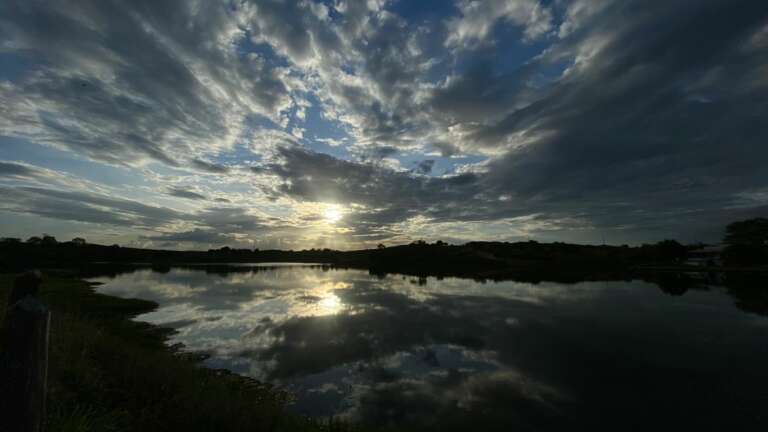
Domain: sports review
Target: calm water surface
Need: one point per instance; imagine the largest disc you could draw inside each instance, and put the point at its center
(464, 355)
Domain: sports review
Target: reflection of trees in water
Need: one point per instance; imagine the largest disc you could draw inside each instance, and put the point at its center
(750, 290)
(677, 284)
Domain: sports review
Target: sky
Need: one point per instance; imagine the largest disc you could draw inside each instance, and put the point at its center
(345, 124)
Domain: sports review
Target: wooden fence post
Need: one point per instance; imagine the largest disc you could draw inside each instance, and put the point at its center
(25, 359)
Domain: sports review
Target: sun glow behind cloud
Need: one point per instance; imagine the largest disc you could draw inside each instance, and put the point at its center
(333, 213)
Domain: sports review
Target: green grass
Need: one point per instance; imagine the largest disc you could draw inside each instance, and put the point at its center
(108, 373)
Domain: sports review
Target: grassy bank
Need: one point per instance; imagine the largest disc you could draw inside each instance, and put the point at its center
(108, 373)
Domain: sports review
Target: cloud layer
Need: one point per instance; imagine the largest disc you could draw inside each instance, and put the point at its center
(559, 120)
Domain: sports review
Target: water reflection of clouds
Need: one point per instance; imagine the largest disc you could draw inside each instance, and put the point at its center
(433, 377)
(541, 293)
(398, 350)
(219, 314)
(342, 339)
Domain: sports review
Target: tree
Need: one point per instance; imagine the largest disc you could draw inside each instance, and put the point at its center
(747, 242)
(747, 232)
(34, 240)
(78, 241)
(48, 240)
(381, 246)
(670, 250)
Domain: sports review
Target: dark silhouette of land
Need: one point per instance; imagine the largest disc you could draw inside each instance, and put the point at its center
(747, 248)
(475, 258)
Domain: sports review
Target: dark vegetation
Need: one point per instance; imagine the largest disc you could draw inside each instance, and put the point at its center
(521, 260)
(471, 259)
(108, 373)
(747, 243)
(747, 246)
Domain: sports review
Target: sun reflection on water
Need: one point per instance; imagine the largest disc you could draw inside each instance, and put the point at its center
(330, 304)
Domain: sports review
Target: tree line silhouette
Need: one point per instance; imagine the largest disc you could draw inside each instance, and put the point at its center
(746, 246)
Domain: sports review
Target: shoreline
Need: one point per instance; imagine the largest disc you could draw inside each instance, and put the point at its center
(112, 372)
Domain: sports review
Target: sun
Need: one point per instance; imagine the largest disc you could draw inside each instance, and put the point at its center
(332, 214)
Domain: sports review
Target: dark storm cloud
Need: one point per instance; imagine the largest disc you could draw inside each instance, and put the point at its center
(483, 95)
(664, 119)
(184, 193)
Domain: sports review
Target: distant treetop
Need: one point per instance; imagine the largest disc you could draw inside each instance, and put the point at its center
(747, 232)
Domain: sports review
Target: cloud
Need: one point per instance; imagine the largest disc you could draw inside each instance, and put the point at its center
(230, 220)
(86, 207)
(482, 95)
(384, 196)
(478, 19)
(209, 167)
(129, 81)
(623, 137)
(320, 177)
(16, 170)
(425, 166)
(197, 235)
(638, 120)
(184, 193)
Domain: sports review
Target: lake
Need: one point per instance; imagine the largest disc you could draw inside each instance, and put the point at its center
(459, 354)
